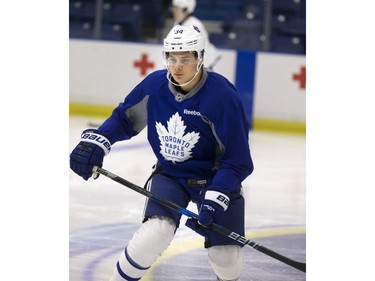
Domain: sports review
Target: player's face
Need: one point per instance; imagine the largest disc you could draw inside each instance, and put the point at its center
(177, 13)
(183, 66)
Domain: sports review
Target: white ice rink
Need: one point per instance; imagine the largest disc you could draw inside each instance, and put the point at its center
(105, 214)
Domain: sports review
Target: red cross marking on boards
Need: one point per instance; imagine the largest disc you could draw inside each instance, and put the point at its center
(301, 77)
(143, 64)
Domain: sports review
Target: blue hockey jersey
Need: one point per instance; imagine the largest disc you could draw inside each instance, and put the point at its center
(201, 134)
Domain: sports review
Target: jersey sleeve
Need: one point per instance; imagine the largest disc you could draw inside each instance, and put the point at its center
(129, 117)
(235, 162)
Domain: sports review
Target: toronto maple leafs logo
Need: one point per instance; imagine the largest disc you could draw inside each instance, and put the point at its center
(175, 145)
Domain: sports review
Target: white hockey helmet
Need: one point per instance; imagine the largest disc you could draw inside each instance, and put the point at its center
(183, 39)
(188, 4)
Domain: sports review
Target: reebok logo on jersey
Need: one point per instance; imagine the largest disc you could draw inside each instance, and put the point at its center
(192, 112)
(175, 145)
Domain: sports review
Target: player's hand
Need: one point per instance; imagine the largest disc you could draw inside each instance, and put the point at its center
(213, 207)
(194, 225)
(89, 153)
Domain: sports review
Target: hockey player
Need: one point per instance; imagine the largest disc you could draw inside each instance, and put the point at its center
(199, 133)
(182, 12)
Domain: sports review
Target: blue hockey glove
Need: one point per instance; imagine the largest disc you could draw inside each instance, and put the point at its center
(194, 225)
(89, 153)
(213, 207)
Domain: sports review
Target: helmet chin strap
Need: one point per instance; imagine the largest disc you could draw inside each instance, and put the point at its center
(169, 75)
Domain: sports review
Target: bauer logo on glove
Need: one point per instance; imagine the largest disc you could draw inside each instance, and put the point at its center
(98, 140)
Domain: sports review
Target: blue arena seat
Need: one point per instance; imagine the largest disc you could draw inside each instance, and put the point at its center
(152, 12)
(241, 22)
(289, 44)
(288, 7)
(75, 9)
(289, 24)
(113, 32)
(128, 16)
(237, 40)
(81, 29)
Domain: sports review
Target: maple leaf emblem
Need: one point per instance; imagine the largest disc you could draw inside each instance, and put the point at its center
(175, 145)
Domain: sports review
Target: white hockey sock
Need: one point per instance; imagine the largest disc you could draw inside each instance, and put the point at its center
(226, 261)
(147, 244)
(127, 269)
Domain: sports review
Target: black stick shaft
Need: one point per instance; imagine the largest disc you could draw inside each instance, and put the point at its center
(240, 239)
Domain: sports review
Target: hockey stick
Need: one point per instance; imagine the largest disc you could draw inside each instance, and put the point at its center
(211, 66)
(242, 240)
